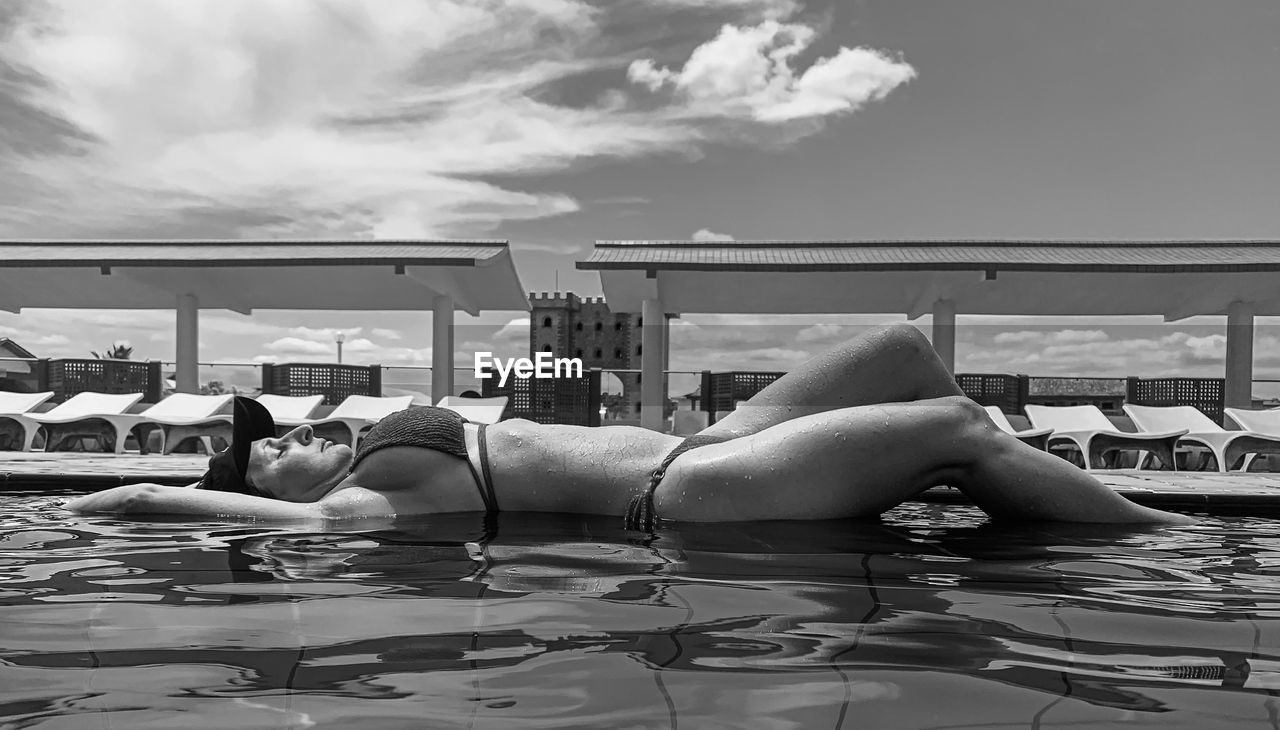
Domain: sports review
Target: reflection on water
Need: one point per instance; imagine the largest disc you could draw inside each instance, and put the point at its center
(929, 618)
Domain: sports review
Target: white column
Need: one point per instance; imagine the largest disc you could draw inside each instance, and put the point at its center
(652, 336)
(944, 332)
(187, 377)
(666, 354)
(442, 348)
(1239, 371)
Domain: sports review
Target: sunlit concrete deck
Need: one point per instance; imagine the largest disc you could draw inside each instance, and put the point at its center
(1235, 493)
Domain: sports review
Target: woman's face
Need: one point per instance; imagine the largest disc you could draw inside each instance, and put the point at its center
(297, 467)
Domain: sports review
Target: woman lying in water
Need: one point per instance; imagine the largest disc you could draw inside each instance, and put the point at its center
(851, 433)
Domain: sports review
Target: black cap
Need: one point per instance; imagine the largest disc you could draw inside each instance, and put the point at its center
(251, 422)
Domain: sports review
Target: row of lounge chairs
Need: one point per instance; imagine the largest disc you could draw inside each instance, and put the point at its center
(106, 418)
(1164, 433)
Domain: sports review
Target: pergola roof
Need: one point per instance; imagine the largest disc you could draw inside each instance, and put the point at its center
(243, 275)
(1171, 278)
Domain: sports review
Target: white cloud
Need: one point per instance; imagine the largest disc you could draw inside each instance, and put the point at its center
(74, 333)
(704, 234)
(518, 327)
(747, 72)
(385, 334)
(1073, 337)
(823, 332)
(370, 117)
(1110, 351)
(1005, 338)
(238, 105)
(50, 341)
(767, 8)
(297, 346)
(1079, 336)
(360, 345)
(1210, 348)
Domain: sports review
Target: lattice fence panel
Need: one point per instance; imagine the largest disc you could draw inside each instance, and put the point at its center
(69, 376)
(729, 388)
(572, 401)
(335, 382)
(1008, 392)
(1206, 394)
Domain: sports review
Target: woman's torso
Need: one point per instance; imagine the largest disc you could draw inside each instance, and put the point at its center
(561, 468)
(534, 468)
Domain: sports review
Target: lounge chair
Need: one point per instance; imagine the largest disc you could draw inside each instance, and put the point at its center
(100, 416)
(185, 415)
(419, 398)
(476, 410)
(15, 425)
(1037, 437)
(1086, 428)
(1227, 447)
(352, 414)
(1264, 423)
(290, 406)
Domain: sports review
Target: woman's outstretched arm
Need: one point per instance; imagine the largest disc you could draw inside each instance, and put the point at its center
(351, 502)
(158, 499)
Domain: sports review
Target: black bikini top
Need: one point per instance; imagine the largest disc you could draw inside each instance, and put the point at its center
(429, 427)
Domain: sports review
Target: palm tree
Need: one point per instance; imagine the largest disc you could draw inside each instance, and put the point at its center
(120, 350)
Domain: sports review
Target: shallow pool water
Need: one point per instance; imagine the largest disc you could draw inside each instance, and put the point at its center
(930, 618)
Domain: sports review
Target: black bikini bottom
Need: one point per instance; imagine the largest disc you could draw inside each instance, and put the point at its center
(641, 514)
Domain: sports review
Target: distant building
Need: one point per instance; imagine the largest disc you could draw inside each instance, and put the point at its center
(567, 325)
(16, 376)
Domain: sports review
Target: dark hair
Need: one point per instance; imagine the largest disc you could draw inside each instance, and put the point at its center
(223, 476)
(251, 421)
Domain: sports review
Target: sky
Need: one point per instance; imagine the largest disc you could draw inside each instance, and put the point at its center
(554, 123)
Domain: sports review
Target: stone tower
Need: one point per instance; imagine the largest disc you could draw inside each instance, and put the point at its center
(567, 325)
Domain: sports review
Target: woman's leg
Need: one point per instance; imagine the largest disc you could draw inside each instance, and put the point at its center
(862, 461)
(885, 365)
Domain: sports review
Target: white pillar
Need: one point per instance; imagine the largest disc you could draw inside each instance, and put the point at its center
(666, 354)
(1239, 371)
(944, 332)
(442, 348)
(187, 375)
(652, 336)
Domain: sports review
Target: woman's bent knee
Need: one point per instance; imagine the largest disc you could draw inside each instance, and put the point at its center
(959, 410)
(910, 353)
(902, 338)
(965, 421)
